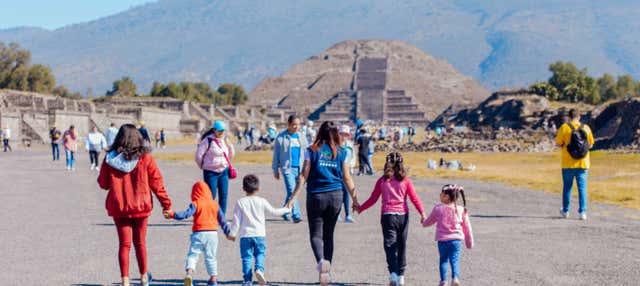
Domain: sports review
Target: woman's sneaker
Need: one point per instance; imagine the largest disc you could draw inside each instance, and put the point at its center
(260, 277)
(442, 283)
(564, 214)
(401, 280)
(324, 266)
(247, 283)
(455, 282)
(583, 216)
(349, 219)
(146, 282)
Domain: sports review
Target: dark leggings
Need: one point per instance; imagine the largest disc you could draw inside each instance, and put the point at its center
(395, 229)
(322, 212)
(93, 156)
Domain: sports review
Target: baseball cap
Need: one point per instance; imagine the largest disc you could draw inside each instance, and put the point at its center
(219, 125)
(344, 129)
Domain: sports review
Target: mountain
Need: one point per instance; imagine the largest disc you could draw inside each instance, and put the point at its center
(500, 43)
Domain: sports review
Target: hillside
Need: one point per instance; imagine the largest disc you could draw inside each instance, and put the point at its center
(499, 43)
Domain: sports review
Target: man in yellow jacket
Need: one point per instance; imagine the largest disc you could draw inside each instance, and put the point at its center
(575, 165)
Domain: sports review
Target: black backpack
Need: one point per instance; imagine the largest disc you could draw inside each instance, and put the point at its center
(578, 146)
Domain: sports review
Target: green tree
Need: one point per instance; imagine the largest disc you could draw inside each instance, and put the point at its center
(564, 74)
(14, 66)
(232, 94)
(18, 79)
(62, 91)
(41, 79)
(607, 87)
(545, 89)
(156, 89)
(626, 86)
(123, 87)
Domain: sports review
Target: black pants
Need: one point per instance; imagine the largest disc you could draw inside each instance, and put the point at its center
(395, 229)
(5, 142)
(322, 212)
(364, 166)
(93, 156)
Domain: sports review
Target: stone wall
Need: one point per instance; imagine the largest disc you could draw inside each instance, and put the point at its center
(11, 120)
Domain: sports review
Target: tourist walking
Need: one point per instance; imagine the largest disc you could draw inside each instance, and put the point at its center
(70, 142)
(130, 175)
(575, 139)
(163, 138)
(347, 146)
(288, 156)
(452, 227)
(364, 142)
(213, 156)
(145, 133)
(309, 132)
(6, 139)
(95, 143)
(324, 171)
(55, 135)
(156, 137)
(111, 133)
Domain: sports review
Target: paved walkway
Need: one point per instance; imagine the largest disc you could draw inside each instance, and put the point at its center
(55, 232)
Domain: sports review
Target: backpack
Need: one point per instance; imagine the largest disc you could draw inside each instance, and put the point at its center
(578, 146)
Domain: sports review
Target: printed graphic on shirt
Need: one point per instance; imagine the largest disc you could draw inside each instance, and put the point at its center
(326, 160)
(295, 142)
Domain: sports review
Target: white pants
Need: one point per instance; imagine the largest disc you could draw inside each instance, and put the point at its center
(207, 242)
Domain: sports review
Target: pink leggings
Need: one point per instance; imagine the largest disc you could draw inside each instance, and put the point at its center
(128, 227)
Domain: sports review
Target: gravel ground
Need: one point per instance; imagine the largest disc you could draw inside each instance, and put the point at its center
(56, 232)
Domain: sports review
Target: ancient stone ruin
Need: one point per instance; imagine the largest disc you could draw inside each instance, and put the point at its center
(384, 81)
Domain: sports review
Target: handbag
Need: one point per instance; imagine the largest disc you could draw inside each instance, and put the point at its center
(232, 171)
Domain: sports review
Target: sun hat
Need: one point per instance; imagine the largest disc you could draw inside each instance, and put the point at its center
(344, 129)
(219, 125)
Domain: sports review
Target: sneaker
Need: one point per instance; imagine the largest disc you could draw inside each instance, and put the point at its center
(349, 219)
(188, 280)
(247, 283)
(297, 220)
(443, 283)
(401, 280)
(583, 216)
(98, 168)
(393, 279)
(260, 277)
(324, 266)
(68, 168)
(564, 214)
(93, 166)
(455, 282)
(285, 217)
(147, 281)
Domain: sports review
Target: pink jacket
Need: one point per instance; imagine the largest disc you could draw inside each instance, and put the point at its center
(394, 196)
(70, 140)
(451, 225)
(210, 157)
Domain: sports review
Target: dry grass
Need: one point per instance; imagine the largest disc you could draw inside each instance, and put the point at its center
(613, 178)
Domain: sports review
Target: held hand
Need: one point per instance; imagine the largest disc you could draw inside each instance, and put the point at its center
(289, 204)
(276, 175)
(167, 214)
(423, 217)
(230, 237)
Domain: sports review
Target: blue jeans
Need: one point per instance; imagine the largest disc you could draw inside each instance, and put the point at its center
(580, 176)
(218, 182)
(252, 248)
(346, 200)
(449, 254)
(203, 242)
(55, 150)
(71, 158)
(290, 181)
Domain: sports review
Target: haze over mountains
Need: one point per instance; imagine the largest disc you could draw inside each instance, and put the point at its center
(500, 43)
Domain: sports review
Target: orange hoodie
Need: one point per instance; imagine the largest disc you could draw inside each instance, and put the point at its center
(206, 212)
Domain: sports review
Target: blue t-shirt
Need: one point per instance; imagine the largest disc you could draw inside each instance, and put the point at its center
(325, 174)
(294, 149)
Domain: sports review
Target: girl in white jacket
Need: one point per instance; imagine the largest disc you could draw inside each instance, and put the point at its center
(95, 144)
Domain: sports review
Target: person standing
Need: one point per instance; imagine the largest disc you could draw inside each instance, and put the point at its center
(70, 140)
(163, 138)
(130, 176)
(111, 134)
(575, 139)
(213, 156)
(309, 132)
(145, 133)
(325, 170)
(95, 143)
(347, 146)
(55, 135)
(288, 156)
(363, 143)
(157, 138)
(6, 139)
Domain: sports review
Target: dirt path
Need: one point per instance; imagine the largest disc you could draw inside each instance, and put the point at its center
(55, 232)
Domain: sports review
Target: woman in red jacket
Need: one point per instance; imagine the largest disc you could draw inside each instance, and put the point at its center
(130, 174)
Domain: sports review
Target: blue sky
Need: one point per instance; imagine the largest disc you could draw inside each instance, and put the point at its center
(52, 14)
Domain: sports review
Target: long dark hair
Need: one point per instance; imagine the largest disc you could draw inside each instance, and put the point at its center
(394, 166)
(209, 132)
(129, 142)
(454, 192)
(327, 134)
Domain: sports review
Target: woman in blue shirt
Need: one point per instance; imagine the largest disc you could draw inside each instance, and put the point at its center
(325, 170)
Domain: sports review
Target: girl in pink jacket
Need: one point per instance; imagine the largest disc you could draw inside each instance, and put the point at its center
(396, 190)
(452, 227)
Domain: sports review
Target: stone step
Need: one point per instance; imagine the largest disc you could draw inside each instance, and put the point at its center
(398, 100)
(402, 107)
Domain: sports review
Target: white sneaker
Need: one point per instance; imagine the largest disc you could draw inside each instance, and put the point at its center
(583, 216)
(97, 168)
(260, 277)
(563, 214)
(401, 280)
(324, 266)
(393, 279)
(93, 166)
(455, 282)
(247, 284)
(68, 168)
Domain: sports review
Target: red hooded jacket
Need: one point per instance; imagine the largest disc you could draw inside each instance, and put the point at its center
(130, 193)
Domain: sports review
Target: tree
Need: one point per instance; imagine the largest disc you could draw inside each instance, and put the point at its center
(62, 91)
(545, 89)
(607, 87)
(18, 79)
(564, 74)
(232, 94)
(626, 86)
(41, 79)
(123, 87)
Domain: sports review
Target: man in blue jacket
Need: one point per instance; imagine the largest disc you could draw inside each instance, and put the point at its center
(288, 157)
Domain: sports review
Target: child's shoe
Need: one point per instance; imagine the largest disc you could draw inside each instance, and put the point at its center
(247, 283)
(93, 166)
(349, 219)
(564, 214)
(455, 282)
(260, 277)
(443, 283)
(212, 283)
(324, 266)
(393, 279)
(188, 280)
(583, 216)
(401, 280)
